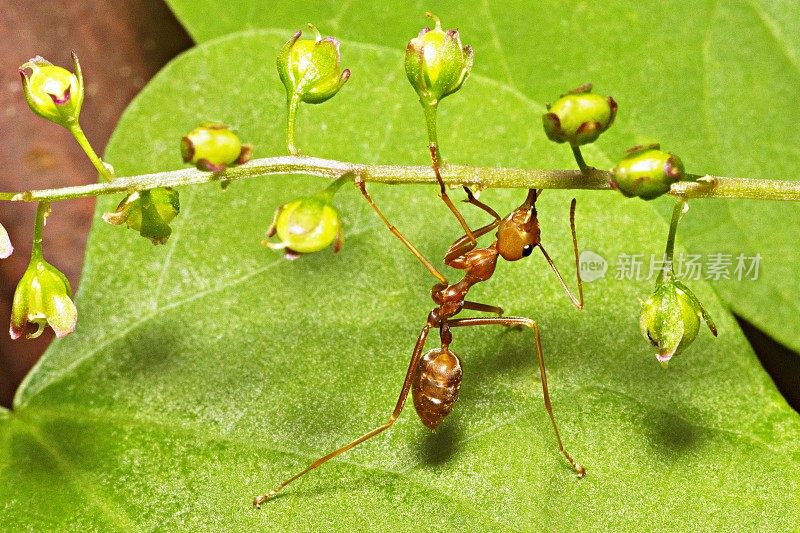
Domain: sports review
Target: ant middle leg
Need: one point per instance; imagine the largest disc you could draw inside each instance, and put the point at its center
(477, 306)
(398, 408)
(529, 323)
(396, 232)
(443, 192)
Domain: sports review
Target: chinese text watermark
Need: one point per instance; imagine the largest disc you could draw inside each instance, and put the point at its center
(689, 267)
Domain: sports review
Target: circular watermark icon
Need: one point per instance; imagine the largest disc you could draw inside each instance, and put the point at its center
(592, 265)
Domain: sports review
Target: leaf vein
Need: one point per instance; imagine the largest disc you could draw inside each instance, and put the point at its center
(775, 32)
(201, 433)
(58, 376)
(113, 512)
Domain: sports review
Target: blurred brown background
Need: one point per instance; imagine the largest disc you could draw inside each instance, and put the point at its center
(121, 45)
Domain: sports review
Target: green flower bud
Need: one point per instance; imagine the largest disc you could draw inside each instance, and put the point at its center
(647, 172)
(309, 69)
(43, 297)
(6, 249)
(148, 212)
(308, 224)
(214, 147)
(53, 92)
(670, 319)
(579, 117)
(436, 63)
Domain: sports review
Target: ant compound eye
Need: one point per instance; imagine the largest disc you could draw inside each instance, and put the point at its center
(527, 250)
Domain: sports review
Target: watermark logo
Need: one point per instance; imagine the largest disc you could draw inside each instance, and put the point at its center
(689, 267)
(693, 267)
(593, 266)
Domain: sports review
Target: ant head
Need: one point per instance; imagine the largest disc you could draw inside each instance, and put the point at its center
(518, 234)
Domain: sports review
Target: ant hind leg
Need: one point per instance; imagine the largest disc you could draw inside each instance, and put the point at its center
(398, 408)
(529, 323)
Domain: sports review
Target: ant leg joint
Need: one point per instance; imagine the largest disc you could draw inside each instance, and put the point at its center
(358, 180)
(258, 501)
(528, 323)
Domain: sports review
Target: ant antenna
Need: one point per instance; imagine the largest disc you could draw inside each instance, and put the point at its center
(577, 302)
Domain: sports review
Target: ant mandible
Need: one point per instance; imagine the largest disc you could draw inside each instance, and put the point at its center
(434, 378)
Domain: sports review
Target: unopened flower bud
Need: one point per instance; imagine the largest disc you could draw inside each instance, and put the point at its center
(43, 297)
(436, 63)
(148, 212)
(647, 172)
(308, 224)
(6, 249)
(53, 92)
(670, 319)
(309, 68)
(579, 117)
(214, 147)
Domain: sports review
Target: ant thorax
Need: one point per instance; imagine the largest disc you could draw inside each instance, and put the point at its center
(479, 266)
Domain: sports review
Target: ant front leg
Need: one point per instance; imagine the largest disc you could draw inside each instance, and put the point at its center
(464, 244)
(527, 322)
(474, 201)
(398, 408)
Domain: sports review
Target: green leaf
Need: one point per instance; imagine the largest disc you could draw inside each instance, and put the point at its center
(205, 371)
(715, 82)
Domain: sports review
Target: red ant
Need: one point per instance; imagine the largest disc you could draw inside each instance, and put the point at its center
(434, 378)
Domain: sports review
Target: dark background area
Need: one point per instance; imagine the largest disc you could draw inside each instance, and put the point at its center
(121, 46)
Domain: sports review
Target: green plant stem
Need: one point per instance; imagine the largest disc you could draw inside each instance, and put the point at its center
(667, 272)
(329, 191)
(430, 122)
(38, 229)
(576, 151)
(291, 119)
(478, 178)
(77, 132)
(431, 112)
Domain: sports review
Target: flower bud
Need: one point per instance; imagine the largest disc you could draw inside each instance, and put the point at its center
(214, 147)
(43, 297)
(148, 212)
(647, 172)
(306, 225)
(6, 249)
(53, 92)
(436, 63)
(579, 117)
(309, 69)
(670, 319)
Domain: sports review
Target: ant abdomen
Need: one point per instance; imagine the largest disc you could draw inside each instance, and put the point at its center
(436, 384)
